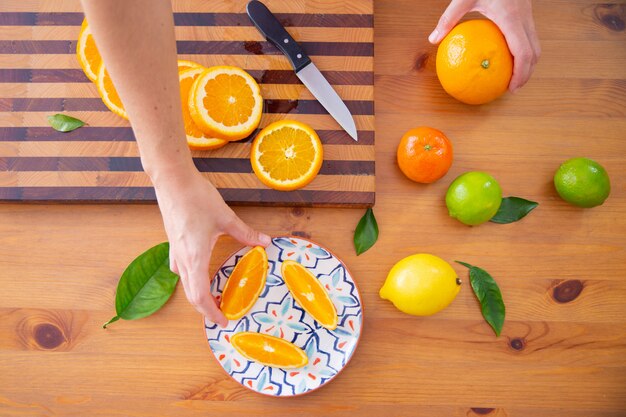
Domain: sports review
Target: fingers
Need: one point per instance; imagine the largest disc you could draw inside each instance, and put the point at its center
(450, 17)
(531, 32)
(198, 293)
(524, 57)
(197, 286)
(244, 233)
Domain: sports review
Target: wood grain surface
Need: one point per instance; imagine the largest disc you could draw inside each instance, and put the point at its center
(40, 75)
(562, 270)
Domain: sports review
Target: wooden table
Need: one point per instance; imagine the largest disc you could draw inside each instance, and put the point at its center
(561, 270)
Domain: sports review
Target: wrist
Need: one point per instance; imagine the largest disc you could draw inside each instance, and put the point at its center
(170, 173)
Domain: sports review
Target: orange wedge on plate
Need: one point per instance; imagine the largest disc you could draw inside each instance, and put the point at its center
(286, 155)
(226, 103)
(309, 294)
(184, 64)
(269, 350)
(196, 138)
(87, 53)
(108, 93)
(245, 284)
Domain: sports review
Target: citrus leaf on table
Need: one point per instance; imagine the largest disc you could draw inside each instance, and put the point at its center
(513, 209)
(489, 296)
(64, 123)
(146, 284)
(366, 232)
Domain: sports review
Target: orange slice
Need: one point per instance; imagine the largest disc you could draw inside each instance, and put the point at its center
(244, 284)
(309, 294)
(108, 93)
(286, 155)
(269, 350)
(87, 53)
(196, 139)
(226, 103)
(184, 64)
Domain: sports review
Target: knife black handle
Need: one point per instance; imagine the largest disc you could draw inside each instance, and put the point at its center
(274, 32)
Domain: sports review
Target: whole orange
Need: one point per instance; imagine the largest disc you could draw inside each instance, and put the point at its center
(474, 64)
(424, 154)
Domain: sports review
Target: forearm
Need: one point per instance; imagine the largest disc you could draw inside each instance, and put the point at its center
(136, 40)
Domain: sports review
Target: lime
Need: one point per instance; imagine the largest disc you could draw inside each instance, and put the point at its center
(473, 198)
(421, 285)
(582, 182)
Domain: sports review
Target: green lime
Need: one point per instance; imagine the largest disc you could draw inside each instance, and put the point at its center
(582, 182)
(473, 198)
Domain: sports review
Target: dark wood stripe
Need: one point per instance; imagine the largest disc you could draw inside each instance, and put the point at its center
(78, 194)
(236, 196)
(133, 164)
(356, 107)
(197, 19)
(201, 47)
(306, 198)
(25, 75)
(125, 134)
(266, 48)
(37, 47)
(87, 133)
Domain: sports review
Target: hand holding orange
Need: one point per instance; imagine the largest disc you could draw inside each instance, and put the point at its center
(474, 64)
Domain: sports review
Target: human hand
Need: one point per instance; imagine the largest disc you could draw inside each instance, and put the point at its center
(195, 215)
(515, 20)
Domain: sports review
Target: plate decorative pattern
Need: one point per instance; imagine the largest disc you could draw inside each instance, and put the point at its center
(276, 313)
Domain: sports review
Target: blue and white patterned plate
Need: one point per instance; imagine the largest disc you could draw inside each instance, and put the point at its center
(277, 314)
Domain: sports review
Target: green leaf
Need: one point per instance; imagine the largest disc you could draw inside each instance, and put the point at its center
(64, 123)
(146, 284)
(366, 232)
(489, 296)
(513, 209)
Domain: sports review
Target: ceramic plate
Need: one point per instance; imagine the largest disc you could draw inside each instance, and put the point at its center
(277, 314)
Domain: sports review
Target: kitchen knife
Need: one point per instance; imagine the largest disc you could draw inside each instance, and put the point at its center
(308, 73)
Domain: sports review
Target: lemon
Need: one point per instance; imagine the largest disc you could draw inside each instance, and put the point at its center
(582, 182)
(421, 285)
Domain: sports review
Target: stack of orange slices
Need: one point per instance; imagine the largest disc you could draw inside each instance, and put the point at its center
(222, 104)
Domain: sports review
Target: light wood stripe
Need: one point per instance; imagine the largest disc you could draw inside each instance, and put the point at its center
(201, 47)
(268, 91)
(251, 62)
(140, 179)
(206, 33)
(186, 6)
(126, 149)
(105, 119)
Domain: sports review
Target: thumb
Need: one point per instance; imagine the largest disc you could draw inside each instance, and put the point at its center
(245, 234)
(455, 11)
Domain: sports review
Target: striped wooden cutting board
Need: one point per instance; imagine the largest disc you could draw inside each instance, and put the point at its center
(39, 76)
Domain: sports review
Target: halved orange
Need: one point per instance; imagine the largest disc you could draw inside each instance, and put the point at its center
(286, 155)
(269, 350)
(108, 93)
(309, 294)
(225, 102)
(184, 64)
(87, 52)
(245, 284)
(196, 139)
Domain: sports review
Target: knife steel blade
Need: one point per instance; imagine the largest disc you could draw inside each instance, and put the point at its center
(306, 71)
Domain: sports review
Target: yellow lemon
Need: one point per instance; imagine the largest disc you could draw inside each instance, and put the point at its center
(421, 285)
